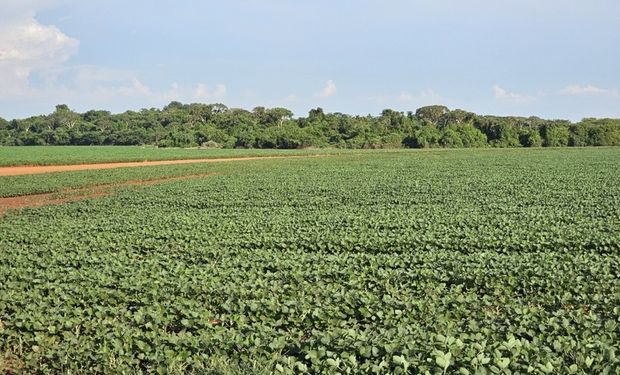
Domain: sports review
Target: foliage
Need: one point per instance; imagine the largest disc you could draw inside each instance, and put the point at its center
(189, 125)
(556, 136)
(459, 261)
(530, 138)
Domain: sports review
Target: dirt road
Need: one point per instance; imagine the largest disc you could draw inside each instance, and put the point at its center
(36, 169)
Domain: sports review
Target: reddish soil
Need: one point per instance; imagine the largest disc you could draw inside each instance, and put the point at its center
(10, 365)
(35, 169)
(72, 195)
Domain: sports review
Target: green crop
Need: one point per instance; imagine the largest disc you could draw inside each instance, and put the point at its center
(54, 155)
(448, 262)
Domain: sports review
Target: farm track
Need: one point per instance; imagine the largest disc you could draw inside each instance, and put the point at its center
(72, 195)
(38, 169)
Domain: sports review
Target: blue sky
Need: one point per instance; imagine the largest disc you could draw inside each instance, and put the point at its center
(550, 58)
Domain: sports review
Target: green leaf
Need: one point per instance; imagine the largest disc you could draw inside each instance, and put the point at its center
(332, 362)
(502, 362)
(443, 359)
(546, 368)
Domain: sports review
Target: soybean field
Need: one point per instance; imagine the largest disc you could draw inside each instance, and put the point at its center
(487, 261)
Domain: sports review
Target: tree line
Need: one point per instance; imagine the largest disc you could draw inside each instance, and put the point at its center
(216, 125)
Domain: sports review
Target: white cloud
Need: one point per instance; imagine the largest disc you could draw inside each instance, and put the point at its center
(577, 90)
(328, 91)
(504, 95)
(138, 90)
(203, 93)
(26, 46)
(35, 68)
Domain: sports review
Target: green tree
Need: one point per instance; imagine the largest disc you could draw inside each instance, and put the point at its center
(278, 115)
(184, 125)
(316, 115)
(63, 117)
(427, 136)
(578, 135)
(450, 137)
(470, 136)
(456, 117)
(531, 138)
(604, 135)
(432, 113)
(555, 135)
(200, 113)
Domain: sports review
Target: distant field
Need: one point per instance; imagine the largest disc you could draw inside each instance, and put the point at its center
(54, 182)
(55, 155)
(441, 262)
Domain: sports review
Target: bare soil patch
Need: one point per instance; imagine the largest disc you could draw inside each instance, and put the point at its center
(10, 364)
(72, 195)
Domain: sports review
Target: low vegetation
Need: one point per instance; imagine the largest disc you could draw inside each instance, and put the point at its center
(458, 261)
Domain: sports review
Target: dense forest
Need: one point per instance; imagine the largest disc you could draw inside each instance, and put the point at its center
(215, 125)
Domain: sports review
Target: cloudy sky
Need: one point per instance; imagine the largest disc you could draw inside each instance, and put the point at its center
(550, 58)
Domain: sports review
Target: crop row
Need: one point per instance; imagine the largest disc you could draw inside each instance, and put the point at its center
(455, 262)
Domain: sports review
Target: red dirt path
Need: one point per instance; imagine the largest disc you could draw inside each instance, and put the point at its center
(36, 169)
(72, 195)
